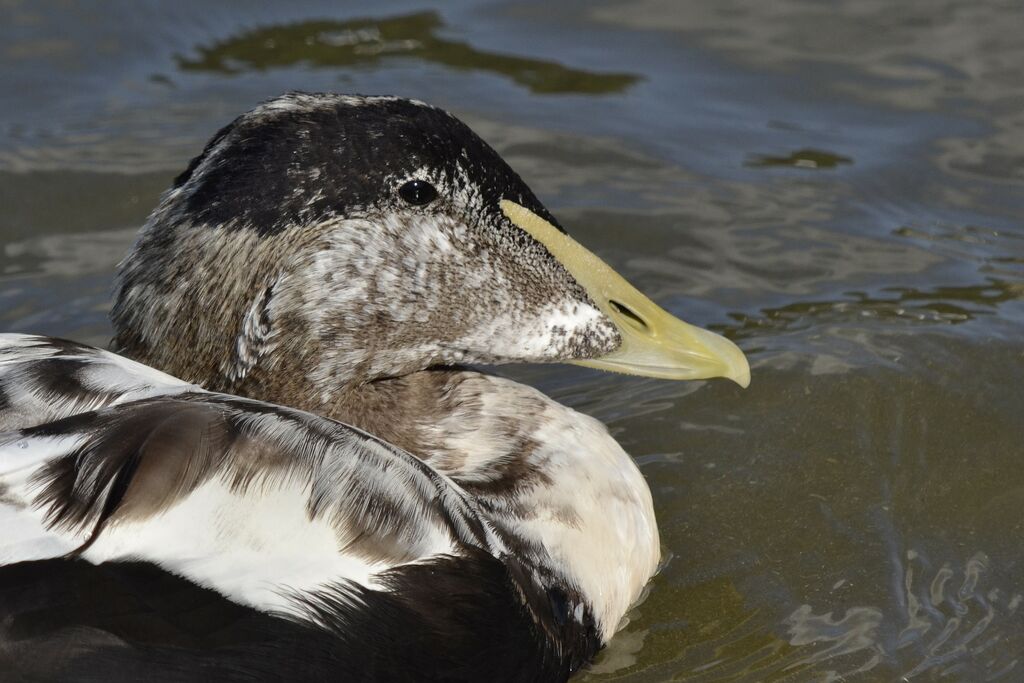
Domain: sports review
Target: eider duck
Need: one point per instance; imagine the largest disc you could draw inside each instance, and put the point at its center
(285, 470)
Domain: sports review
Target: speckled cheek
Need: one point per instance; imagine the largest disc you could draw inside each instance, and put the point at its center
(564, 330)
(599, 338)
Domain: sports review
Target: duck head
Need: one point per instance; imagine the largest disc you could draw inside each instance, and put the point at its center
(323, 241)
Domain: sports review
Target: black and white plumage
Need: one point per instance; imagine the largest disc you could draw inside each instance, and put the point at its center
(355, 506)
(275, 508)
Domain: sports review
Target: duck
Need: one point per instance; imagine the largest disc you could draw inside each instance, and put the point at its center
(289, 465)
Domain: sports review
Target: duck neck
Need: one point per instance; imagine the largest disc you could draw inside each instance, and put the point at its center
(399, 410)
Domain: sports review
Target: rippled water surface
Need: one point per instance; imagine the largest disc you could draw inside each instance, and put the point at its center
(836, 186)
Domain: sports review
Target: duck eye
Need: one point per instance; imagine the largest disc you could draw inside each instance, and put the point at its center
(417, 192)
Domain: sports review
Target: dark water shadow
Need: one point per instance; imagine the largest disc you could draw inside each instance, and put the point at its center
(948, 305)
(364, 42)
(801, 158)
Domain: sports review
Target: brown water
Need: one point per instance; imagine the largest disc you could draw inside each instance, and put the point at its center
(837, 186)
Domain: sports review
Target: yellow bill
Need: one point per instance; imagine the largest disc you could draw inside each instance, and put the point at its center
(655, 343)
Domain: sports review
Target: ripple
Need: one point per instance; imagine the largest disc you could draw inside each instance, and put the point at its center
(950, 622)
(947, 55)
(65, 256)
(943, 305)
(999, 252)
(801, 158)
(365, 42)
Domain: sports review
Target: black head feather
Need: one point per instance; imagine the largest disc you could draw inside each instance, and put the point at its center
(301, 159)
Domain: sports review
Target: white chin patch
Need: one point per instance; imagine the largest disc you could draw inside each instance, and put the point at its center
(546, 336)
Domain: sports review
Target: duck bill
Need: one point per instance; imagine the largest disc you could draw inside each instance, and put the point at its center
(655, 343)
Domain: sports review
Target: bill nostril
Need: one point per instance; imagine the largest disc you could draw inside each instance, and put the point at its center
(632, 318)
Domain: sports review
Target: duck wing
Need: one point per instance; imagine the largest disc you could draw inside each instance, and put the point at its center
(151, 527)
(44, 379)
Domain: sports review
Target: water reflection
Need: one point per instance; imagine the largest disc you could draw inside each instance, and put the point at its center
(1000, 252)
(950, 55)
(938, 627)
(831, 637)
(945, 621)
(801, 158)
(943, 305)
(366, 42)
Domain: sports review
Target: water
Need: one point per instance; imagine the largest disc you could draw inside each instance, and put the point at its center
(836, 186)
